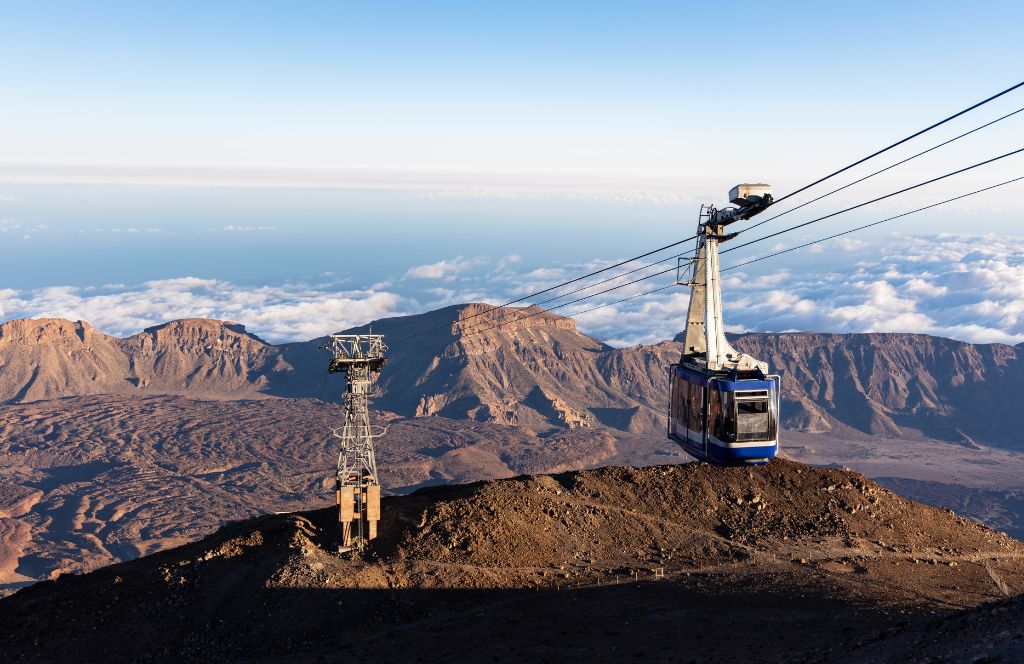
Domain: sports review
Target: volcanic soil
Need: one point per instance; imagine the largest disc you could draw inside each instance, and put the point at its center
(784, 562)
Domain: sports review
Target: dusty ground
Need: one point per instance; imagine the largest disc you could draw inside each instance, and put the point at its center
(89, 481)
(984, 483)
(94, 480)
(778, 563)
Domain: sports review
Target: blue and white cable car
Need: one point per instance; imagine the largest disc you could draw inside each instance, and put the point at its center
(724, 419)
(723, 404)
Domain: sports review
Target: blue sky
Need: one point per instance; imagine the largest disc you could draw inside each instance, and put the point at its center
(337, 146)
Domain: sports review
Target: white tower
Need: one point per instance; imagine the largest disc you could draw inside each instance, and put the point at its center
(705, 345)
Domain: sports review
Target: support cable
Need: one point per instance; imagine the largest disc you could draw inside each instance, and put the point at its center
(901, 142)
(561, 285)
(761, 239)
(793, 193)
(579, 299)
(898, 163)
(875, 223)
(874, 200)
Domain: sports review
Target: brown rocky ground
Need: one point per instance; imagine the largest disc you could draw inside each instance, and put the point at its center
(777, 563)
(89, 481)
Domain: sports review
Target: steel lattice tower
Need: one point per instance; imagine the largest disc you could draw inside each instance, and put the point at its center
(360, 357)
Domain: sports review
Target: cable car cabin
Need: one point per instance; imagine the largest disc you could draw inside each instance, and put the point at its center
(724, 419)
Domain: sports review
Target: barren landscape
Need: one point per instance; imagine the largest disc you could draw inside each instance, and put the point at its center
(615, 563)
(197, 423)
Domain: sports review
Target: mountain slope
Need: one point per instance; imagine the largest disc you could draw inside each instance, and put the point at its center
(540, 373)
(51, 358)
(89, 481)
(817, 563)
(200, 357)
(889, 384)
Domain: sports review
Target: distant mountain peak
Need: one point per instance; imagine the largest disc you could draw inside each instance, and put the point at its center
(46, 330)
(485, 318)
(199, 328)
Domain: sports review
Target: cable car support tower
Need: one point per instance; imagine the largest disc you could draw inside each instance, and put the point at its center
(360, 357)
(705, 344)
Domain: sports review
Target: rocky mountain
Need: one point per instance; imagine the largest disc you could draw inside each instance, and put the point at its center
(52, 358)
(897, 385)
(781, 563)
(540, 373)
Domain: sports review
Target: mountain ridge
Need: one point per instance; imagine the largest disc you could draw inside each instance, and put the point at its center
(535, 370)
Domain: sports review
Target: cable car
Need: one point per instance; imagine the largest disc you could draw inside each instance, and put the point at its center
(723, 404)
(724, 419)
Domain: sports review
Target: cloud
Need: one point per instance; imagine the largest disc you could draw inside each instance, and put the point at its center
(851, 244)
(442, 269)
(964, 287)
(4, 198)
(286, 312)
(233, 228)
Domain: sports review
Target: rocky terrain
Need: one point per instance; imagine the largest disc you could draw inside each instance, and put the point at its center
(113, 448)
(539, 372)
(89, 481)
(895, 385)
(784, 563)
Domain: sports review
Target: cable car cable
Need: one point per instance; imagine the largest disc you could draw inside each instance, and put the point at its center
(901, 142)
(828, 216)
(898, 163)
(733, 267)
(764, 221)
(557, 286)
(625, 299)
(674, 244)
(604, 281)
(876, 223)
(579, 299)
(874, 200)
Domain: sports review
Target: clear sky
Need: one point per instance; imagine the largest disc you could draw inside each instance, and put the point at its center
(342, 145)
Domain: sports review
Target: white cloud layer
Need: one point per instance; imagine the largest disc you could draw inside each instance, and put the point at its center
(287, 312)
(965, 287)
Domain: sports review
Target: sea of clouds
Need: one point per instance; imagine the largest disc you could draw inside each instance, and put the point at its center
(964, 287)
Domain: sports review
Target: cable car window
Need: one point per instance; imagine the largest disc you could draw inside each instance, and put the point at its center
(680, 393)
(715, 412)
(696, 408)
(752, 406)
(753, 421)
(728, 428)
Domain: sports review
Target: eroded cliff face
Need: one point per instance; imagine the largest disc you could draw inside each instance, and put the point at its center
(53, 358)
(200, 356)
(889, 384)
(49, 358)
(519, 366)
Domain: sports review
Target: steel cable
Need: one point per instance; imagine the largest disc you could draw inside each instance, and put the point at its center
(898, 163)
(761, 239)
(902, 141)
